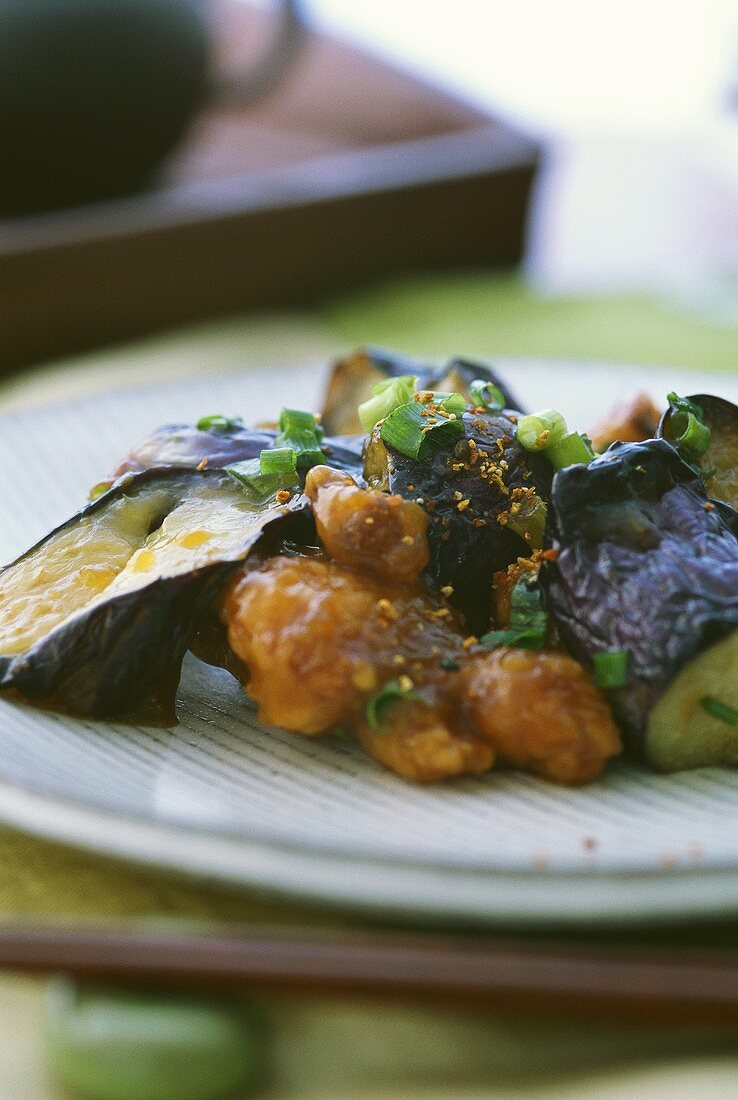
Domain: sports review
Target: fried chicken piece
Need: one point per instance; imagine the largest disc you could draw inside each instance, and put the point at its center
(367, 530)
(541, 712)
(318, 639)
(419, 744)
(629, 421)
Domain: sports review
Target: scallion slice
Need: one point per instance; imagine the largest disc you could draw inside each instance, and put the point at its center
(528, 638)
(378, 704)
(218, 423)
(719, 710)
(540, 430)
(486, 394)
(528, 621)
(262, 485)
(388, 394)
(98, 490)
(413, 431)
(455, 404)
(573, 450)
(278, 460)
(611, 669)
(690, 433)
(526, 609)
(300, 432)
(529, 521)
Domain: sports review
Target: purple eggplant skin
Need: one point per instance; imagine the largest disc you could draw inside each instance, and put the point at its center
(467, 546)
(188, 446)
(645, 562)
(122, 656)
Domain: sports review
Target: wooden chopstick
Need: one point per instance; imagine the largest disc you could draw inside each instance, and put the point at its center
(618, 983)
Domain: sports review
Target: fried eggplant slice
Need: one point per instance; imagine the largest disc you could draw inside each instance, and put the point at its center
(719, 463)
(695, 722)
(352, 379)
(645, 563)
(95, 619)
(189, 446)
(484, 498)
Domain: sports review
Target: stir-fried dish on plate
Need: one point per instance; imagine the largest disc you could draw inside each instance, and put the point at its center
(424, 567)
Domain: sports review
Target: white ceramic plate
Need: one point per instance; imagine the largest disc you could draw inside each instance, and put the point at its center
(315, 819)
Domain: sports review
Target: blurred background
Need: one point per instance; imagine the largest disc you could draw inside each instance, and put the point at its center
(189, 187)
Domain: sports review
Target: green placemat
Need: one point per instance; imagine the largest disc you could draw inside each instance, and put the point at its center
(487, 313)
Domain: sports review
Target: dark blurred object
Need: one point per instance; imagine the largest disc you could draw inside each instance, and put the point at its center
(349, 171)
(648, 977)
(93, 95)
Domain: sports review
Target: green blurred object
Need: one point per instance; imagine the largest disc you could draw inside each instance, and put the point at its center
(93, 95)
(500, 314)
(112, 1044)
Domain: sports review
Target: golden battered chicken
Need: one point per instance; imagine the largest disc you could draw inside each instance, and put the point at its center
(320, 636)
(629, 421)
(367, 530)
(541, 712)
(420, 742)
(318, 639)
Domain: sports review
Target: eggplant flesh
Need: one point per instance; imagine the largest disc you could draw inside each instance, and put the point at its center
(188, 446)
(469, 532)
(682, 731)
(353, 377)
(95, 619)
(645, 563)
(720, 460)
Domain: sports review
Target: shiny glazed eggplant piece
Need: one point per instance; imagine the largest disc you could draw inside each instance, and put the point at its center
(186, 445)
(468, 492)
(95, 619)
(352, 379)
(721, 456)
(646, 563)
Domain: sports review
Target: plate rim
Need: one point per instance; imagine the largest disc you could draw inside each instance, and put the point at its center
(422, 894)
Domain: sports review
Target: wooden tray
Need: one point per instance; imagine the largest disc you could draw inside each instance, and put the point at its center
(349, 171)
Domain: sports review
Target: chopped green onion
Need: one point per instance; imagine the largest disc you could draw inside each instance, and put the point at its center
(690, 433)
(528, 638)
(487, 394)
(388, 694)
(98, 490)
(455, 404)
(526, 609)
(263, 485)
(540, 430)
(218, 423)
(388, 394)
(719, 710)
(296, 420)
(528, 621)
(573, 450)
(611, 669)
(300, 432)
(529, 522)
(410, 430)
(278, 460)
